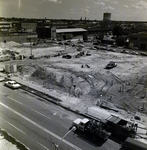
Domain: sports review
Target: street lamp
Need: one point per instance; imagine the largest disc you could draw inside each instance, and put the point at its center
(57, 145)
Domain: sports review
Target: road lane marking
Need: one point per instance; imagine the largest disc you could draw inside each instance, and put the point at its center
(15, 127)
(15, 100)
(40, 114)
(41, 127)
(43, 146)
(31, 109)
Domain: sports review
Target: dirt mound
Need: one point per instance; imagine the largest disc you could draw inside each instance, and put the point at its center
(75, 84)
(102, 85)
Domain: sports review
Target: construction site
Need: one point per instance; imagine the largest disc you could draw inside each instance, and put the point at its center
(76, 73)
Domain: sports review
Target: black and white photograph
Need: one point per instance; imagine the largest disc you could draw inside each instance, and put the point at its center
(73, 75)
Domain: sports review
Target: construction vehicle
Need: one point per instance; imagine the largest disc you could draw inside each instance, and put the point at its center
(92, 128)
(110, 65)
(121, 127)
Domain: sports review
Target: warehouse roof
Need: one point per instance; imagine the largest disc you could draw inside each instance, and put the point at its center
(70, 30)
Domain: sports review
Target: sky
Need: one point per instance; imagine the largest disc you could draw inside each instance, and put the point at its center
(121, 10)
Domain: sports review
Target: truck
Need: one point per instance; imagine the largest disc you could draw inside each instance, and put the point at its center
(121, 127)
(92, 128)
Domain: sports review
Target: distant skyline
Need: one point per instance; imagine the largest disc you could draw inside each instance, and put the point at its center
(121, 10)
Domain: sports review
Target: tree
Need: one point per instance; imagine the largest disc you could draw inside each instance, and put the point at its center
(117, 30)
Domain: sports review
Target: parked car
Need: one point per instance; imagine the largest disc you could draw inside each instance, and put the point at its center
(97, 47)
(12, 84)
(67, 56)
(103, 48)
(92, 48)
(80, 45)
(143, 54)
(134, 53)
(124, 51)
(2, 79)
(112, 50)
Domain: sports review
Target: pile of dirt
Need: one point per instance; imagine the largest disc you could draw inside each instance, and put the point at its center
(76, 84)
(104, 85)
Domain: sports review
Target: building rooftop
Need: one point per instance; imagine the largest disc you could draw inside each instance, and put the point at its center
(140, 33)
(70, 30)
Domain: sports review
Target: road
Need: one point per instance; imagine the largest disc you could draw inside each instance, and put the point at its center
(38, 124)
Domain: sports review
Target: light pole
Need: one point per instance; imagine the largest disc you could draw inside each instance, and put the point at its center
(57, 145)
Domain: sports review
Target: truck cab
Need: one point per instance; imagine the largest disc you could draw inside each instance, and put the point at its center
(80, 124)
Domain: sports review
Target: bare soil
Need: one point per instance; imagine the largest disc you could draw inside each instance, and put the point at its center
(124, 86)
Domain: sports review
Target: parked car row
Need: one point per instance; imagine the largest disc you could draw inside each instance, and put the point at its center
(114, 50)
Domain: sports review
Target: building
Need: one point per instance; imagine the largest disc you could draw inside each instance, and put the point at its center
(64, 34)
(138, 40)
(5, 26)
(45, 30)
(29, 27)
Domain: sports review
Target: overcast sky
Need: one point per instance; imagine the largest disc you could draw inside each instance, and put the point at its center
(127, 10)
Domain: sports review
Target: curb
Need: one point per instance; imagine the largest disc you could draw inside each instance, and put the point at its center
(55, 101)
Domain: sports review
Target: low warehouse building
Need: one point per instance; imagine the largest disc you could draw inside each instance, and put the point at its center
(64, 34)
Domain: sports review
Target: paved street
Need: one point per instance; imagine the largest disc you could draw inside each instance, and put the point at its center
(38, 123)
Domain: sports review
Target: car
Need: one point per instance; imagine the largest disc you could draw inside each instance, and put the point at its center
(60, 43)
(134, 53)
(1, 70)
(80, 42)
(124, 51)
(12, 84)
(143, 54)
(80, 45)
(67, 56)
(2, 79)
(103, 48)
(92, 48)
(88, 54)
(112, 50)
(110, 65)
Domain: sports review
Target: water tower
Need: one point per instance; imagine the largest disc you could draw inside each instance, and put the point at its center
(107, 16)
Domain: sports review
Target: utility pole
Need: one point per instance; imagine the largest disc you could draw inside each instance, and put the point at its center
(30, 47)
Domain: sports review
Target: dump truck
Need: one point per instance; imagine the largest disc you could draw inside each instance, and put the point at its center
(92, 128)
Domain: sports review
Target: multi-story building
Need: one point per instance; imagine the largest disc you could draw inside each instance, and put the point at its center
(29, 27)
(138, 40)
(5, 26)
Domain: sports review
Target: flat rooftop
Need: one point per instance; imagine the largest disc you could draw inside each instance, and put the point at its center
(70, 30)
